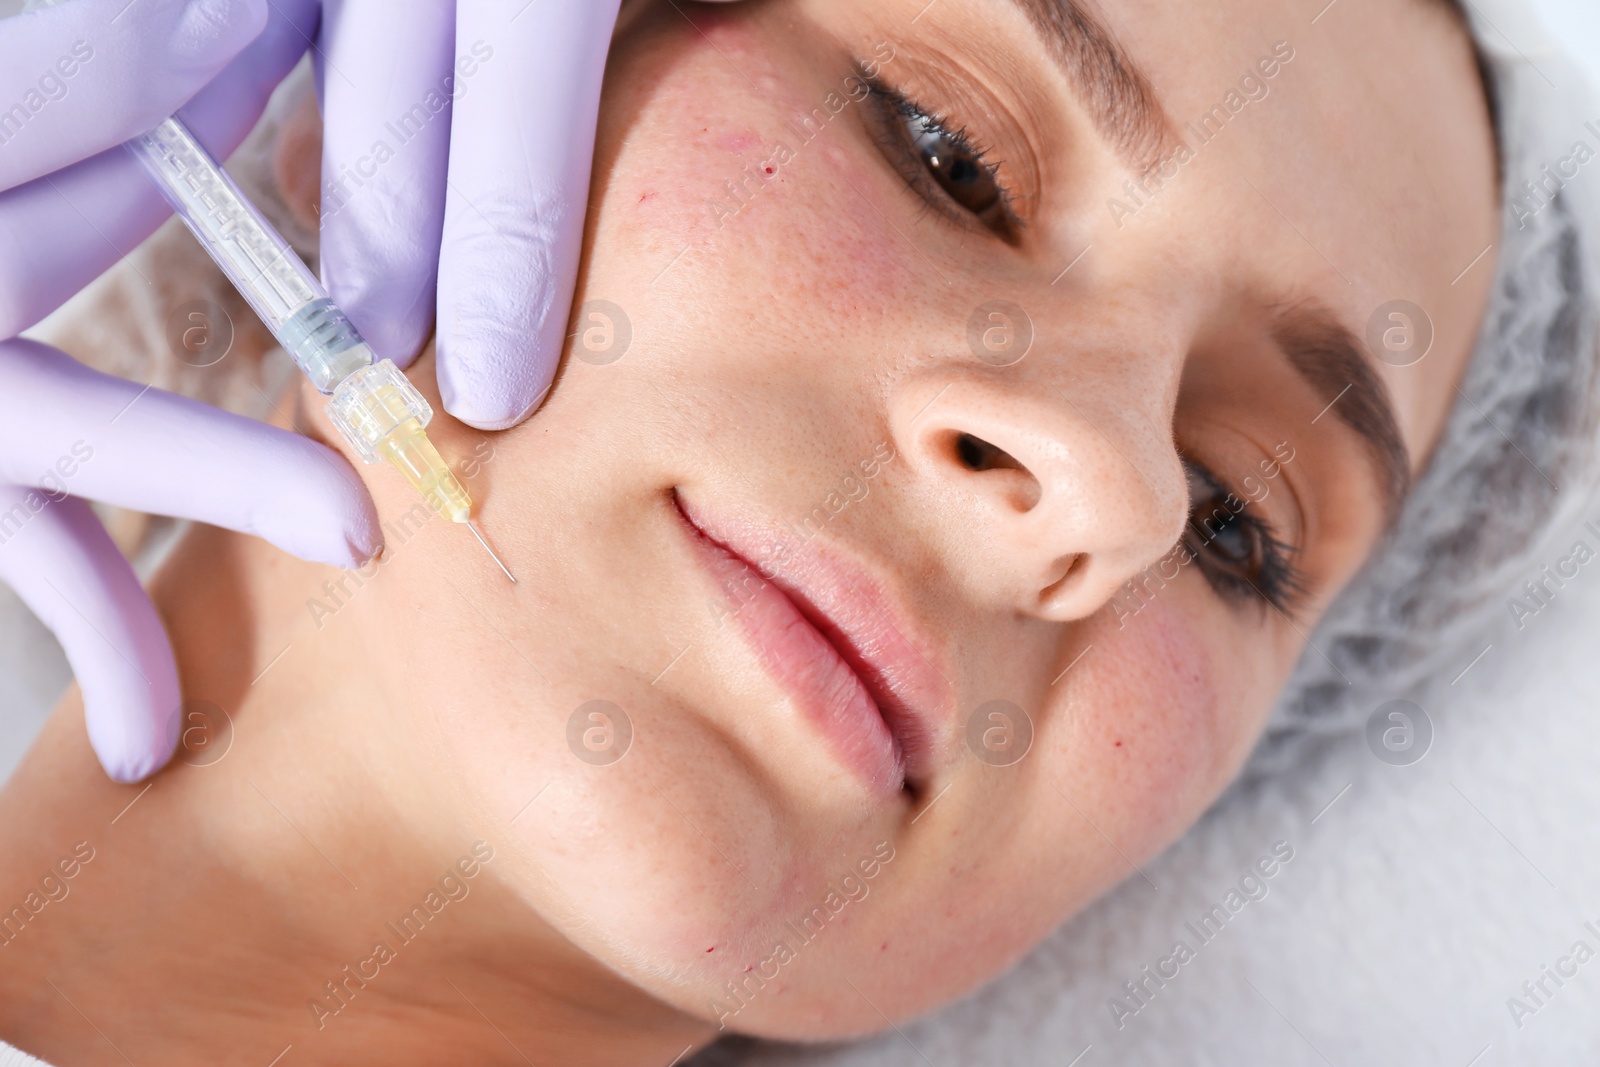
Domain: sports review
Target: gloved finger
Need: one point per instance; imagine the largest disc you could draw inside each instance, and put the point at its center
(70, 429)
(87, 76)
(521, 149)
(386, 91)
(84, 218)
(61, 562)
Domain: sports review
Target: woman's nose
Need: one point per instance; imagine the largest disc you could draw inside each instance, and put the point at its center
(1047, 504)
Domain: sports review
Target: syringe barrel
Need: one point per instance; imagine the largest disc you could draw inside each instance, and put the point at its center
(373, 405)
(289, 299)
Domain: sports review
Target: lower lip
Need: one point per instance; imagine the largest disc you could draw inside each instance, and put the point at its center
(798, 657)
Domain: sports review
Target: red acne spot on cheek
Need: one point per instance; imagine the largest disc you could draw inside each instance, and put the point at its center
(772, 170)
(1119, 745)
(713, 948)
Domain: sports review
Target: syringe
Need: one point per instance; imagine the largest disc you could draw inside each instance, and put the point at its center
(377, 410)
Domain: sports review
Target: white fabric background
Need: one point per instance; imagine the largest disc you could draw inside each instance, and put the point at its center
(1577, 24)
(1416, 904)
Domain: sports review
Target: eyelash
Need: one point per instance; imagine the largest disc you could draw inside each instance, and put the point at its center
(895, 109)
(1277, 579)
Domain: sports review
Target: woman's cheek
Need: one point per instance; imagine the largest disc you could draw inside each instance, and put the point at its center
(778, 161)
(1148, 723)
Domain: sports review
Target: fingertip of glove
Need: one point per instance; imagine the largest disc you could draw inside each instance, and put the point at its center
(486, 417)
(360, 537)
(494, 378)
(132, 767)
(141, 748)
(322, 511)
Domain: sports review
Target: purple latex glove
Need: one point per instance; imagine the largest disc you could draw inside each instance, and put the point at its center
(72, 204)
(70, 191)
(479, 205)
(68, 429)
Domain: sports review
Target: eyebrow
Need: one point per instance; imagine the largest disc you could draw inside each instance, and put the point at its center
(1109, 83)
(1330, 359)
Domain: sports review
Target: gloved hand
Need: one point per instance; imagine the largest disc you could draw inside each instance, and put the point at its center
(454, 205)
(87, 75)
(69, 189)
(482, 204)
(65, 429)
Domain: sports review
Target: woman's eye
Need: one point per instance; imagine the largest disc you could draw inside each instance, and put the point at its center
(956, 169)
(1230, 538)
(1236, 548)
(945, 165)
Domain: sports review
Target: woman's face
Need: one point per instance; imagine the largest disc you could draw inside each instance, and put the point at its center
(936, 497)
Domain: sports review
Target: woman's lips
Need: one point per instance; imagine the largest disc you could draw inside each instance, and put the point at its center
(827, 633)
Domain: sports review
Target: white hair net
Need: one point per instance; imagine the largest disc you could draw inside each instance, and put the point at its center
(1516, 462)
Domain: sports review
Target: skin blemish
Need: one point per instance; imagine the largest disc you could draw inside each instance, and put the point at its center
(738, 143)
(1152, 684)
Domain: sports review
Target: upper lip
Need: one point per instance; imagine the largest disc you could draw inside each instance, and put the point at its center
(858, 617)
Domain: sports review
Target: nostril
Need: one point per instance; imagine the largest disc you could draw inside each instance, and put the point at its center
(1071, 570)
(977, 454)
(1004, 476)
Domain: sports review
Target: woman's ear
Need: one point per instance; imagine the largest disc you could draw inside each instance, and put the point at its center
(297, 162)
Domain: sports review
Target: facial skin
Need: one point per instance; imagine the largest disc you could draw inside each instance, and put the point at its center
(829, 316)
(807, 344)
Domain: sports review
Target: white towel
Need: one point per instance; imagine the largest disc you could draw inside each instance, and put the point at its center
(12, 1057)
